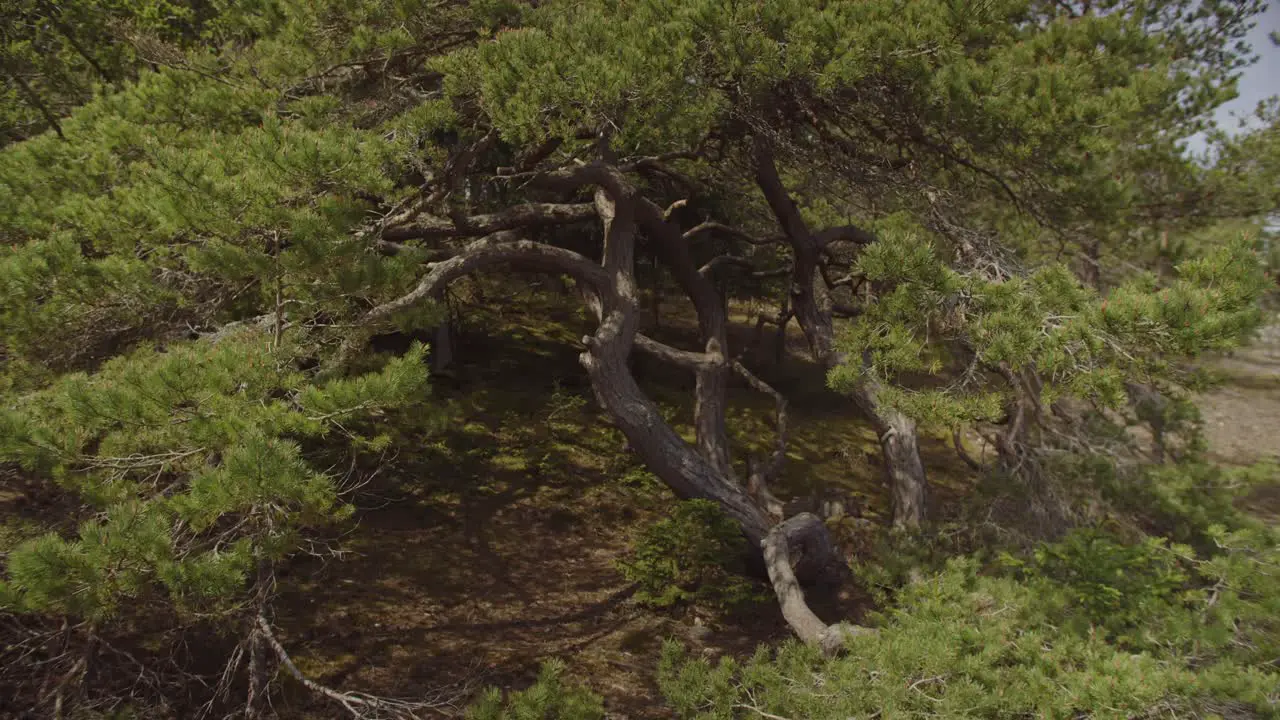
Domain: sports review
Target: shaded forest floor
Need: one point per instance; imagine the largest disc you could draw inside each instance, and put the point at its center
(493, 544)
(489, 540)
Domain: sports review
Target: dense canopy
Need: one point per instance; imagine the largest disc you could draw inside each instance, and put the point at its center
(231, 230)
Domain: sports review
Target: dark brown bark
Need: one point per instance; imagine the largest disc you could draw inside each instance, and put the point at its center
(34, 99)
(712, 380)
(689, 473)
(442, 347)
(811, 305)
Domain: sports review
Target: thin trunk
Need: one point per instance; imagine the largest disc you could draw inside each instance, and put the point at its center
(36, 102)
(442, 347)
(689, 473)
(1047, 510)
(256, 695)
(811, 304)
(712, 381)
(1091, 264)
(442, 340)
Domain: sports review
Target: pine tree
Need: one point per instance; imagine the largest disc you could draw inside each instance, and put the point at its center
(222, 211)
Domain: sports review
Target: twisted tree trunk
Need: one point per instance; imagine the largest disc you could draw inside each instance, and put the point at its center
(811, 303)
(702, 470)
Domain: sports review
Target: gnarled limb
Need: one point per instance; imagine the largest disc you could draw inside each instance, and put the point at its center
(611, 290)
(730, 232)
(517, 216)
(812, 304)
(807, 536)
(497, 249)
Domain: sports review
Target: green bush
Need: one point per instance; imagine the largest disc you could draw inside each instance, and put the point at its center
(549, 698)
(964, 644)
(1109, 584)
(694, 556)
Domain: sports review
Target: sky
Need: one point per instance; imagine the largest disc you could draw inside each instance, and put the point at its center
(1260, 81)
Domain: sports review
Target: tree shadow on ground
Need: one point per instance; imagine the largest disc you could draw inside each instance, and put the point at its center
(491, 541)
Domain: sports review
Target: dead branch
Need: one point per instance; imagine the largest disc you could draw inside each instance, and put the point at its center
(361, 705)
(519, 216)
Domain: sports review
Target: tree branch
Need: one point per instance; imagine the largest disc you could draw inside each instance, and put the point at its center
(805, 529)
(683, 358)
(844, 233)
(518, 216)
(731, 232)
(358, 704)
(497, 249)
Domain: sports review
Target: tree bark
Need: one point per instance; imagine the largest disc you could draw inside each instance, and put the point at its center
(712, 379)
(900, 453)
(811, 305)
(442, 347)
(808, 537)
(610, 289)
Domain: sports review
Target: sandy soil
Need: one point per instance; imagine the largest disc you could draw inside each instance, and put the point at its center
(1242, 418)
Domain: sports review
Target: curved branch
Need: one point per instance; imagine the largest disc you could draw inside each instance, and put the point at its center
(519, 216)
(731, 232)
(496, 249)
(720, 261)
(808, 533)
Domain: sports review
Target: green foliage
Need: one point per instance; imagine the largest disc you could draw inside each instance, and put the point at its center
(1113, 585)
(233, 161)
(1185, 501)
(53, 55)
(965, 644)
(193, 466)
(695, 556)
(549, 698)
(897, 559)
(929, 317)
